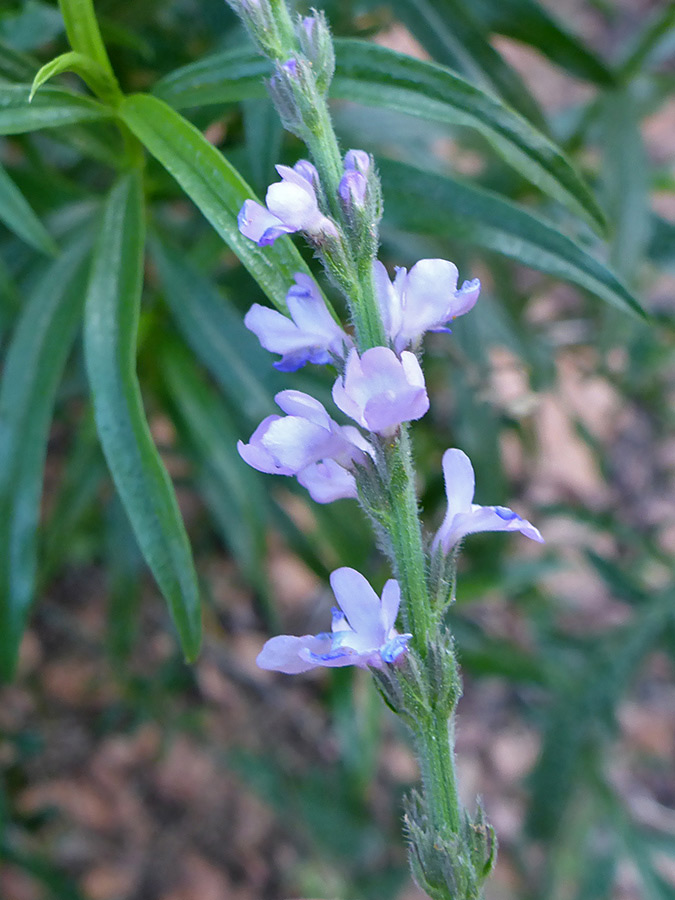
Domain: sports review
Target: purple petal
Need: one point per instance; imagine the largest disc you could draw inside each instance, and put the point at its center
(291, 67)
(388, 299)
(309, 23)
(465, 517)
(297, 443)
(257, 223)
(276, 332)
(283, 653)
(429, 292)
(391, 600)
(466, 297)
(379, 390)
(291, 362)
(460, 481)
(257, 455)
(352, 189)
(391, 651)
(297, 403)
(491, 518)
(293, 204)
(342, 656)
(357, 160)
(305, 170)
(327, 481)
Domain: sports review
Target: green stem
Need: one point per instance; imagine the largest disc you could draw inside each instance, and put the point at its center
(406, 540)
(325, 151)
(435, 741)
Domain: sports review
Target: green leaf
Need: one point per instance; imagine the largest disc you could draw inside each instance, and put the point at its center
(214, 186)
(111, 324)
(16, 213)
(453, 35)
(376, 76)
(78, 495)
(215, 331)
(264, 136)
(233, 490)
(16, 66)
(531, 23)
(95, 77)
(226, 77)
(625, 181)
(51, 108)
(33, 368)
(84, 34)
(427, 203)
(649, 43)
(32, 24)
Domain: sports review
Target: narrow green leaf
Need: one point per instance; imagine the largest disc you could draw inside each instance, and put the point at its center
(16, 213)
(95, 77)
(16, 66)
(226, 77)
(51, 108)
(449, 30)
(77, 496)
(531, 23)
(264, 136)
(625, 181)
(111, 324)
(426, 203)
(376, 76)
(233, 490)
(216, 333)
(649, 43)
(84, 34)
(33, 369)
(214, 186)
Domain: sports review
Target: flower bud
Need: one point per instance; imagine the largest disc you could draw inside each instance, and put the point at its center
(262, 24)
(293, 90)
(360, 198)
(317, 45)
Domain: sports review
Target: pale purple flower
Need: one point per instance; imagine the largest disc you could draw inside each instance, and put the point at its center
(380, 391)
(298, 443)
(291, 206)
(424, 299)
(362, 632)
(466, 517)
(310, 335)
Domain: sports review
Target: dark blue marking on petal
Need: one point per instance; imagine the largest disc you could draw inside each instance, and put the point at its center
(507, 514)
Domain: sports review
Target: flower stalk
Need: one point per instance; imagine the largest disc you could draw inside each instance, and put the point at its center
(336, 203)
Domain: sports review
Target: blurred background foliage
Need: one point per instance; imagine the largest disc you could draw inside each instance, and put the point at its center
(129, 774)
